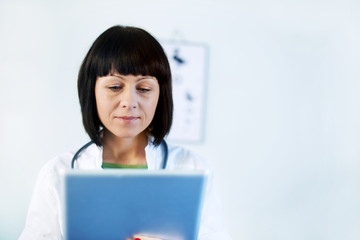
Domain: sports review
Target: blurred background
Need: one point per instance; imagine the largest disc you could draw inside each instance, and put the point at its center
(282, 118)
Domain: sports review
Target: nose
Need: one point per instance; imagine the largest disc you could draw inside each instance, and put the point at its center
(128, 99)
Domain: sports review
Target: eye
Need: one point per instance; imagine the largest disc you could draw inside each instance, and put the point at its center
(143, 90)
(115, 88)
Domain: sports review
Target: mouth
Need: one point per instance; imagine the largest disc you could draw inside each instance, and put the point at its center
(127, 119)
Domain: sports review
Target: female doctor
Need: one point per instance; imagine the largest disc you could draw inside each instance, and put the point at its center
(124, 87)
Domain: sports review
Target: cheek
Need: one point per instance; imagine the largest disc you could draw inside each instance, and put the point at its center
(153, 105)
(102, 106)
(149, 107)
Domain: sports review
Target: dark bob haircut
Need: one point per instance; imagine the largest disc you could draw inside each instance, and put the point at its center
(127, 51)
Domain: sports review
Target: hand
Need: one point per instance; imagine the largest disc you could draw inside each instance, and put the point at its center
(140, 237)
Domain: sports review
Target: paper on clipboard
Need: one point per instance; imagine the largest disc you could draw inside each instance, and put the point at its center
(188, 63)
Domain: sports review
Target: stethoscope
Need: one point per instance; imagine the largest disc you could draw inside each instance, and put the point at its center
(163, 144)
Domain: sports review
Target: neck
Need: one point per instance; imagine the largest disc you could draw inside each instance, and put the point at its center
(129, 151)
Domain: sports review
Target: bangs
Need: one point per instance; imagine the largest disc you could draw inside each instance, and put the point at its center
(129, 53)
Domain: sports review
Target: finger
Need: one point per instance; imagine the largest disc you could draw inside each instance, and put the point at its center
(140, 237)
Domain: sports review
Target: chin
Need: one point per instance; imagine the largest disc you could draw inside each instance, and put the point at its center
(128, 134)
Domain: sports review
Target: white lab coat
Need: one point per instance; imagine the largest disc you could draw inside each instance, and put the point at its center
(44, 220)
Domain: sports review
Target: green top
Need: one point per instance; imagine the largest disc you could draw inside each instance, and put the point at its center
(114, 165)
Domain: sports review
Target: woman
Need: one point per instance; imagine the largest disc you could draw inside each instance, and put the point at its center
(125, 93)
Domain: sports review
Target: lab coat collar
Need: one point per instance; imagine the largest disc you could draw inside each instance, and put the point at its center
(91, 158)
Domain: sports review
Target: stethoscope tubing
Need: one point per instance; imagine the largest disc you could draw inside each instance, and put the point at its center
(163, 144)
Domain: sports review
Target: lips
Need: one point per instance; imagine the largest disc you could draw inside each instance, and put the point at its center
(127, 119)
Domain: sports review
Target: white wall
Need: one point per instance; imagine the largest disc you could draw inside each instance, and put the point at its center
(283, 104)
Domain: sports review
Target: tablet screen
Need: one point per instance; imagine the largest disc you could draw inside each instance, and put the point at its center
(116, 204)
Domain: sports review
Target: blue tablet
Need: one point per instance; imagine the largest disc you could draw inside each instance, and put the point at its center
(116, 204)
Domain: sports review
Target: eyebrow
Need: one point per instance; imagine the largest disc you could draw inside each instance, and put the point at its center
(138, 79)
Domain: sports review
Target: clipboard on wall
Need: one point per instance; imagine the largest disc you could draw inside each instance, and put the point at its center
(189, 67)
